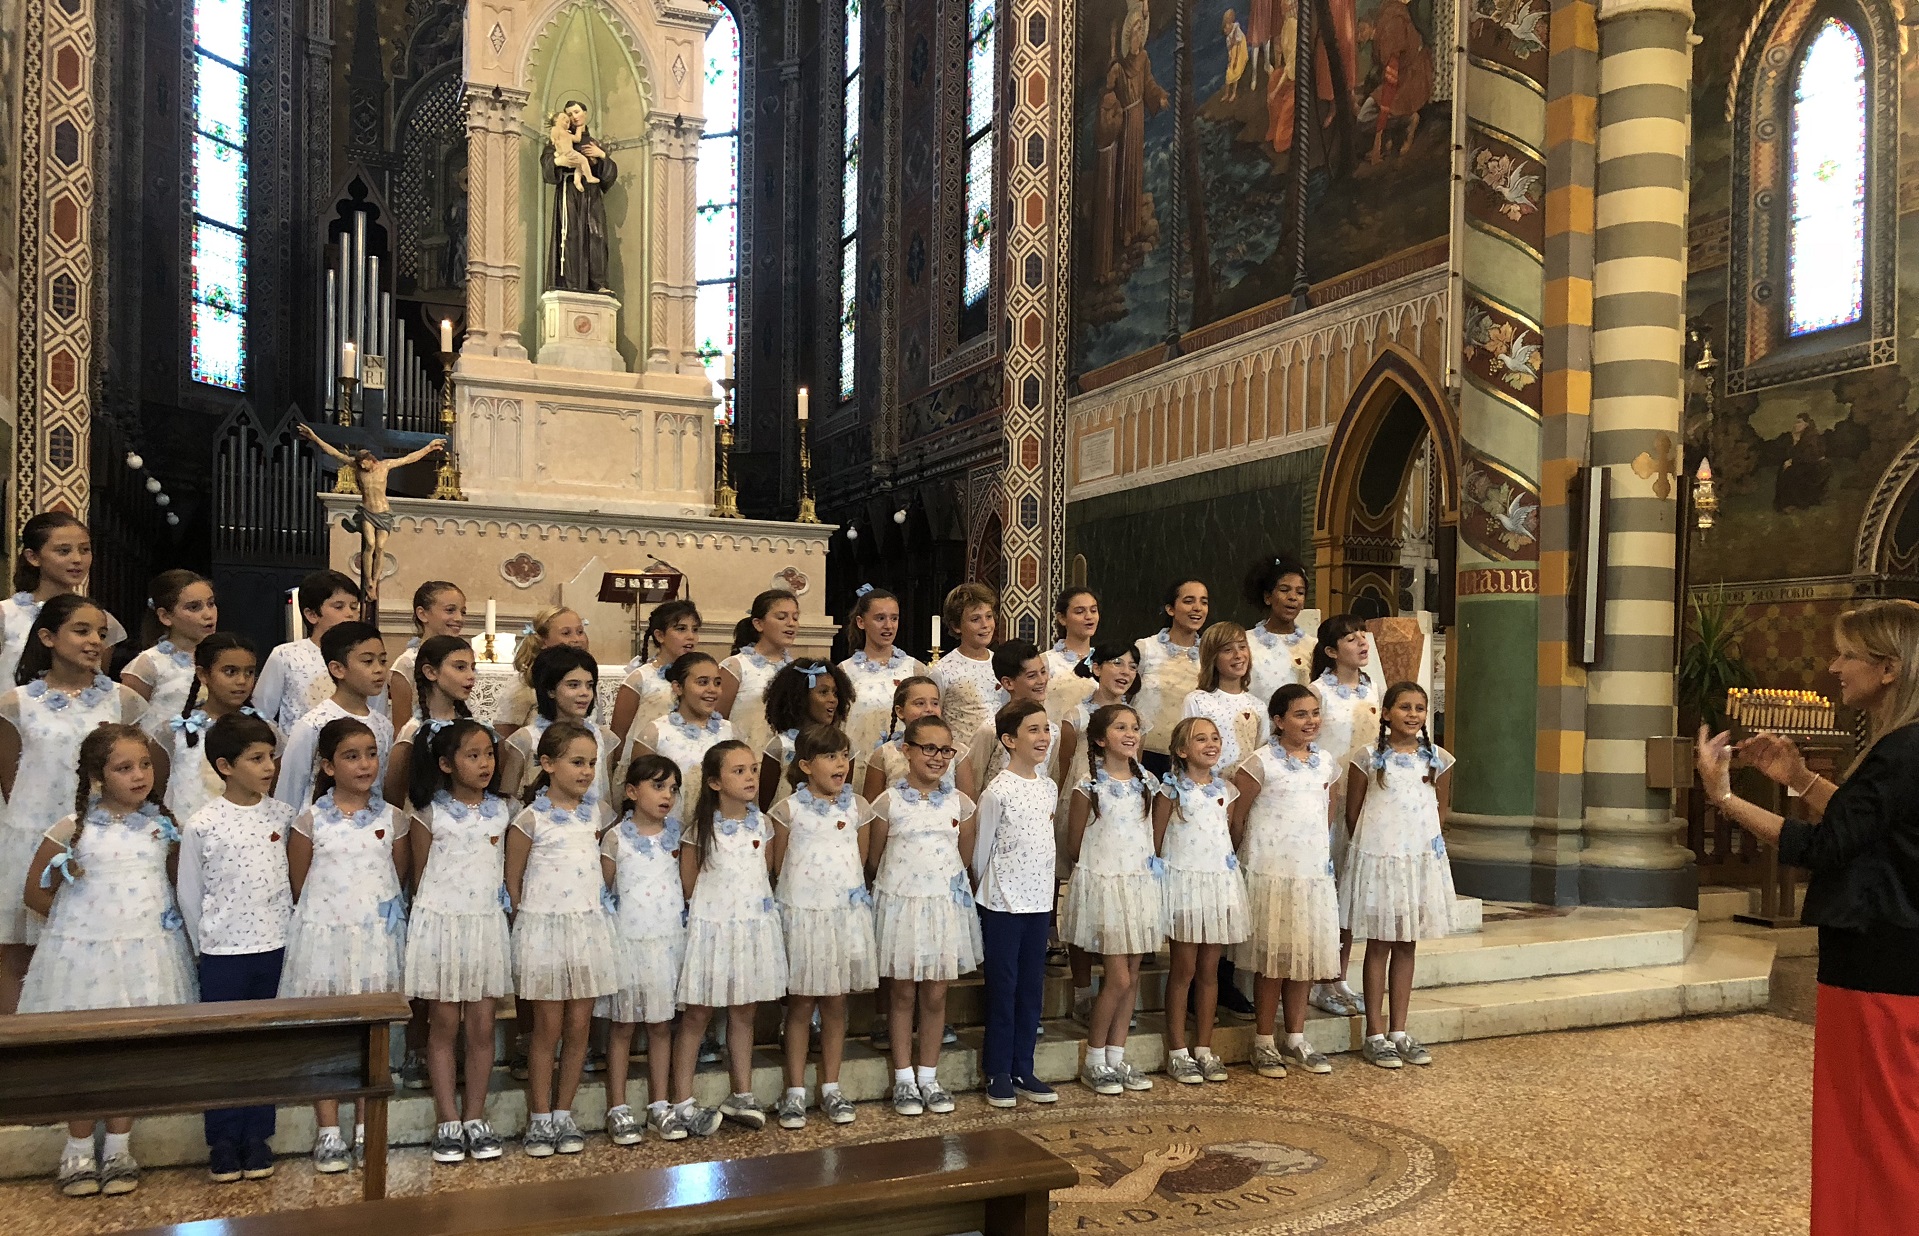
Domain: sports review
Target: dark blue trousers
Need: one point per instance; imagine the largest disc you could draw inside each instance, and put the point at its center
(1015, 973)
(240, 976)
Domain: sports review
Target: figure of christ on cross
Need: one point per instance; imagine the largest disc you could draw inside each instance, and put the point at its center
(374, 519)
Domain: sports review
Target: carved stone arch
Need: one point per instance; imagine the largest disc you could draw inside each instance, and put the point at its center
(1391, 407)
(624, 21)
(1873, 550)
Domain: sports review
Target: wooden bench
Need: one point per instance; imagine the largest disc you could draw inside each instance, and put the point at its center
(995, 1182)
(56, 1067)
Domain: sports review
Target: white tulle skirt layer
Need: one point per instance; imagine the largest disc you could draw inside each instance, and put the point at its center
(18, 925)
(331, 959)
(458, 956)
(1114, 915)
(1205, 907)
(649, 980)
(830, 952)
(1396, 896)
(733, 961)
(926, 939)
(69, 974)
(1294, 927)
(565, 956)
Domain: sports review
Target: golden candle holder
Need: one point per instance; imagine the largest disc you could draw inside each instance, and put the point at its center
(447, 484)
(807, 514)
(488, 653)
(726, 499)
(347, 479)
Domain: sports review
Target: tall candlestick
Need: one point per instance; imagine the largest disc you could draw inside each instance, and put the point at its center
(349, 361)
(446, 334)
(492, 616)
(803, 399)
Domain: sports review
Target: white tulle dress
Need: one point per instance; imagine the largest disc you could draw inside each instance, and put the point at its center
(735, 947)
(457, 942)
(1279, 659)
(1239, 716)
(969, 694)
(114, 938)
(686, 744)
(650, 924)
(648, 683)
(1292, 903)
(51, 725)
(754, 673)
(873, 685)
(1116, 896)
(348, 935)
(1348, 722)
(1399, 883)
(928, 928)
(1167, 672)
(563, 945)
(1205, 893)
(1065, 689)
(168, 673)
(826, 910)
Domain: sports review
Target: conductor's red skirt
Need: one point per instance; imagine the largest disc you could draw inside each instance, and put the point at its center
(1865, 1113)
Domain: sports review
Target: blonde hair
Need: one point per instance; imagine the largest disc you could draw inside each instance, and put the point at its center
(965, 597)
(1216, 640)
(531, 646)
(1885, 631)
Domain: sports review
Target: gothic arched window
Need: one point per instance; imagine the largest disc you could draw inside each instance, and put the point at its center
(850, 83)
(1814, 193)
(716, 223)
(219, 171)
(982, 104)
(1826, 178)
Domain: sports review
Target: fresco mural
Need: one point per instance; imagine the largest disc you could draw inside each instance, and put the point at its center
(1794, 463)
(1195, 137)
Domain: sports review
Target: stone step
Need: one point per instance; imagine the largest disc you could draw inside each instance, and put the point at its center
(1718, 903)
(1590, 967)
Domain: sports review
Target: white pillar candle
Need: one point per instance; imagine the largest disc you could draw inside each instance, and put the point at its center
(936, 630)
(446, 334)
(492, 616)
(349, 361)
(802, 405)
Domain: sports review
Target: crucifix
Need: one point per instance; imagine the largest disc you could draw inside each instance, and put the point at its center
(374, 518)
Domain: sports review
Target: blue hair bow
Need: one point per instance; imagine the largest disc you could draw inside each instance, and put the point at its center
(862, 590)
(393, 911)
(1157, 866)
(170, 919)
(812, 675)
(1232, 861)
(961, 890)
(64, 864)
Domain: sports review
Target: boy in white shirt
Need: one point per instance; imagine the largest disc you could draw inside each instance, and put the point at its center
(356, 659)
(236, 903)
(294, 680)
(1021, 670)
(1013, 877)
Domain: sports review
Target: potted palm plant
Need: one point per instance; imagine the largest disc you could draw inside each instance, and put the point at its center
(1710, 663)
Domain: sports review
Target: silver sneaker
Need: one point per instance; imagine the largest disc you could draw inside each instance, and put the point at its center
(1101, 1079)
(1213, 1067)
(1131, 1078)
(539, 1140)
(936, 1099)
(1185, 1070)
(1345, 992)
(744, 1109)
(1328, 998)
(567, 1138)
(907, 1099)
(1382, 1052)
(700, 1121)
(413, 1072)
(79, 1176)
(330, 1154)
(1306, 1058)
(623, 1128)
(837, 1108)
(449, 1143)
(1411, 1050)
(1268, 1061)
(119, 1174)
(482, 1143)
(791, 1112)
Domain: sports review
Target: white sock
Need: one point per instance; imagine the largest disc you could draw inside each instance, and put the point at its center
(1202, 1053)
(797, 1093)
(827, 1088)
(1180, 1053)
(473, 1126)
(925, 1076)
(684, 1107)
(561, 1113)
(658, 1105)
(1398, 1036)
(1262, 1040)
(1115, 1056)
(1375, 1038)
(78, 1148)
(902, 1075)
(117, 1143)
(325, 1129)
(619, 1108)
(1297, 1041)
(359, 1134)
(534, 1118)
(1082, 993)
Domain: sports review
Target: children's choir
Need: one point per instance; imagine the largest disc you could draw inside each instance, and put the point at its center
(760, 828)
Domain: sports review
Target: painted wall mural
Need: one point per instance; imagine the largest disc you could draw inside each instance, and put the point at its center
(1184, 148)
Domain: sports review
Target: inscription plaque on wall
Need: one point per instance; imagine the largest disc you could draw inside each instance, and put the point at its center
(1095, 456)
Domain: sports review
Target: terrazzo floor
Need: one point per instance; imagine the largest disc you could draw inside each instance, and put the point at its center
(1696, 1126)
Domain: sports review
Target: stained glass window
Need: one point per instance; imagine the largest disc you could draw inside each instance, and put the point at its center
(982, 85)
(716, 218)
(1826, 250)
(849, 201)
(219, 329)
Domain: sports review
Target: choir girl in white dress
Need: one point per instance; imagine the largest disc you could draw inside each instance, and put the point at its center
(225, 666)
(444, 672)
(762, 644)
(1075, 626)
(439, 608)
(672, 631)
(566, 681)
(55, 556)
(1225, 664)
(181, 611)
(886, 764)
(1282, 642)
(876, 669)
(804, 692)
(1169, 667)
(553, 626)
(1349, 713)
(691, 728)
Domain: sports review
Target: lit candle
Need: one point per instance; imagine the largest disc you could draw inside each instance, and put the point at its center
(936, 630)
(729, 366)
(349, 361)
(802, 405)
(446, 334)
(1705, 470)
(492, 616)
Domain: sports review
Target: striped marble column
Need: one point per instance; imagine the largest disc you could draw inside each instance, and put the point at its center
(1640, 202)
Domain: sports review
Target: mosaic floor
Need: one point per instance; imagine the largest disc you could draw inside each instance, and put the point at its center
(1675, 1127)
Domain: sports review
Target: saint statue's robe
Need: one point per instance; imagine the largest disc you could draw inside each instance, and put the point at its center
(576, 251)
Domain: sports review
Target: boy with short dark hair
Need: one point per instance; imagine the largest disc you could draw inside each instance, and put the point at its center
(356, 660)
(294, 679)
(1021, 670)
(236, 902)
